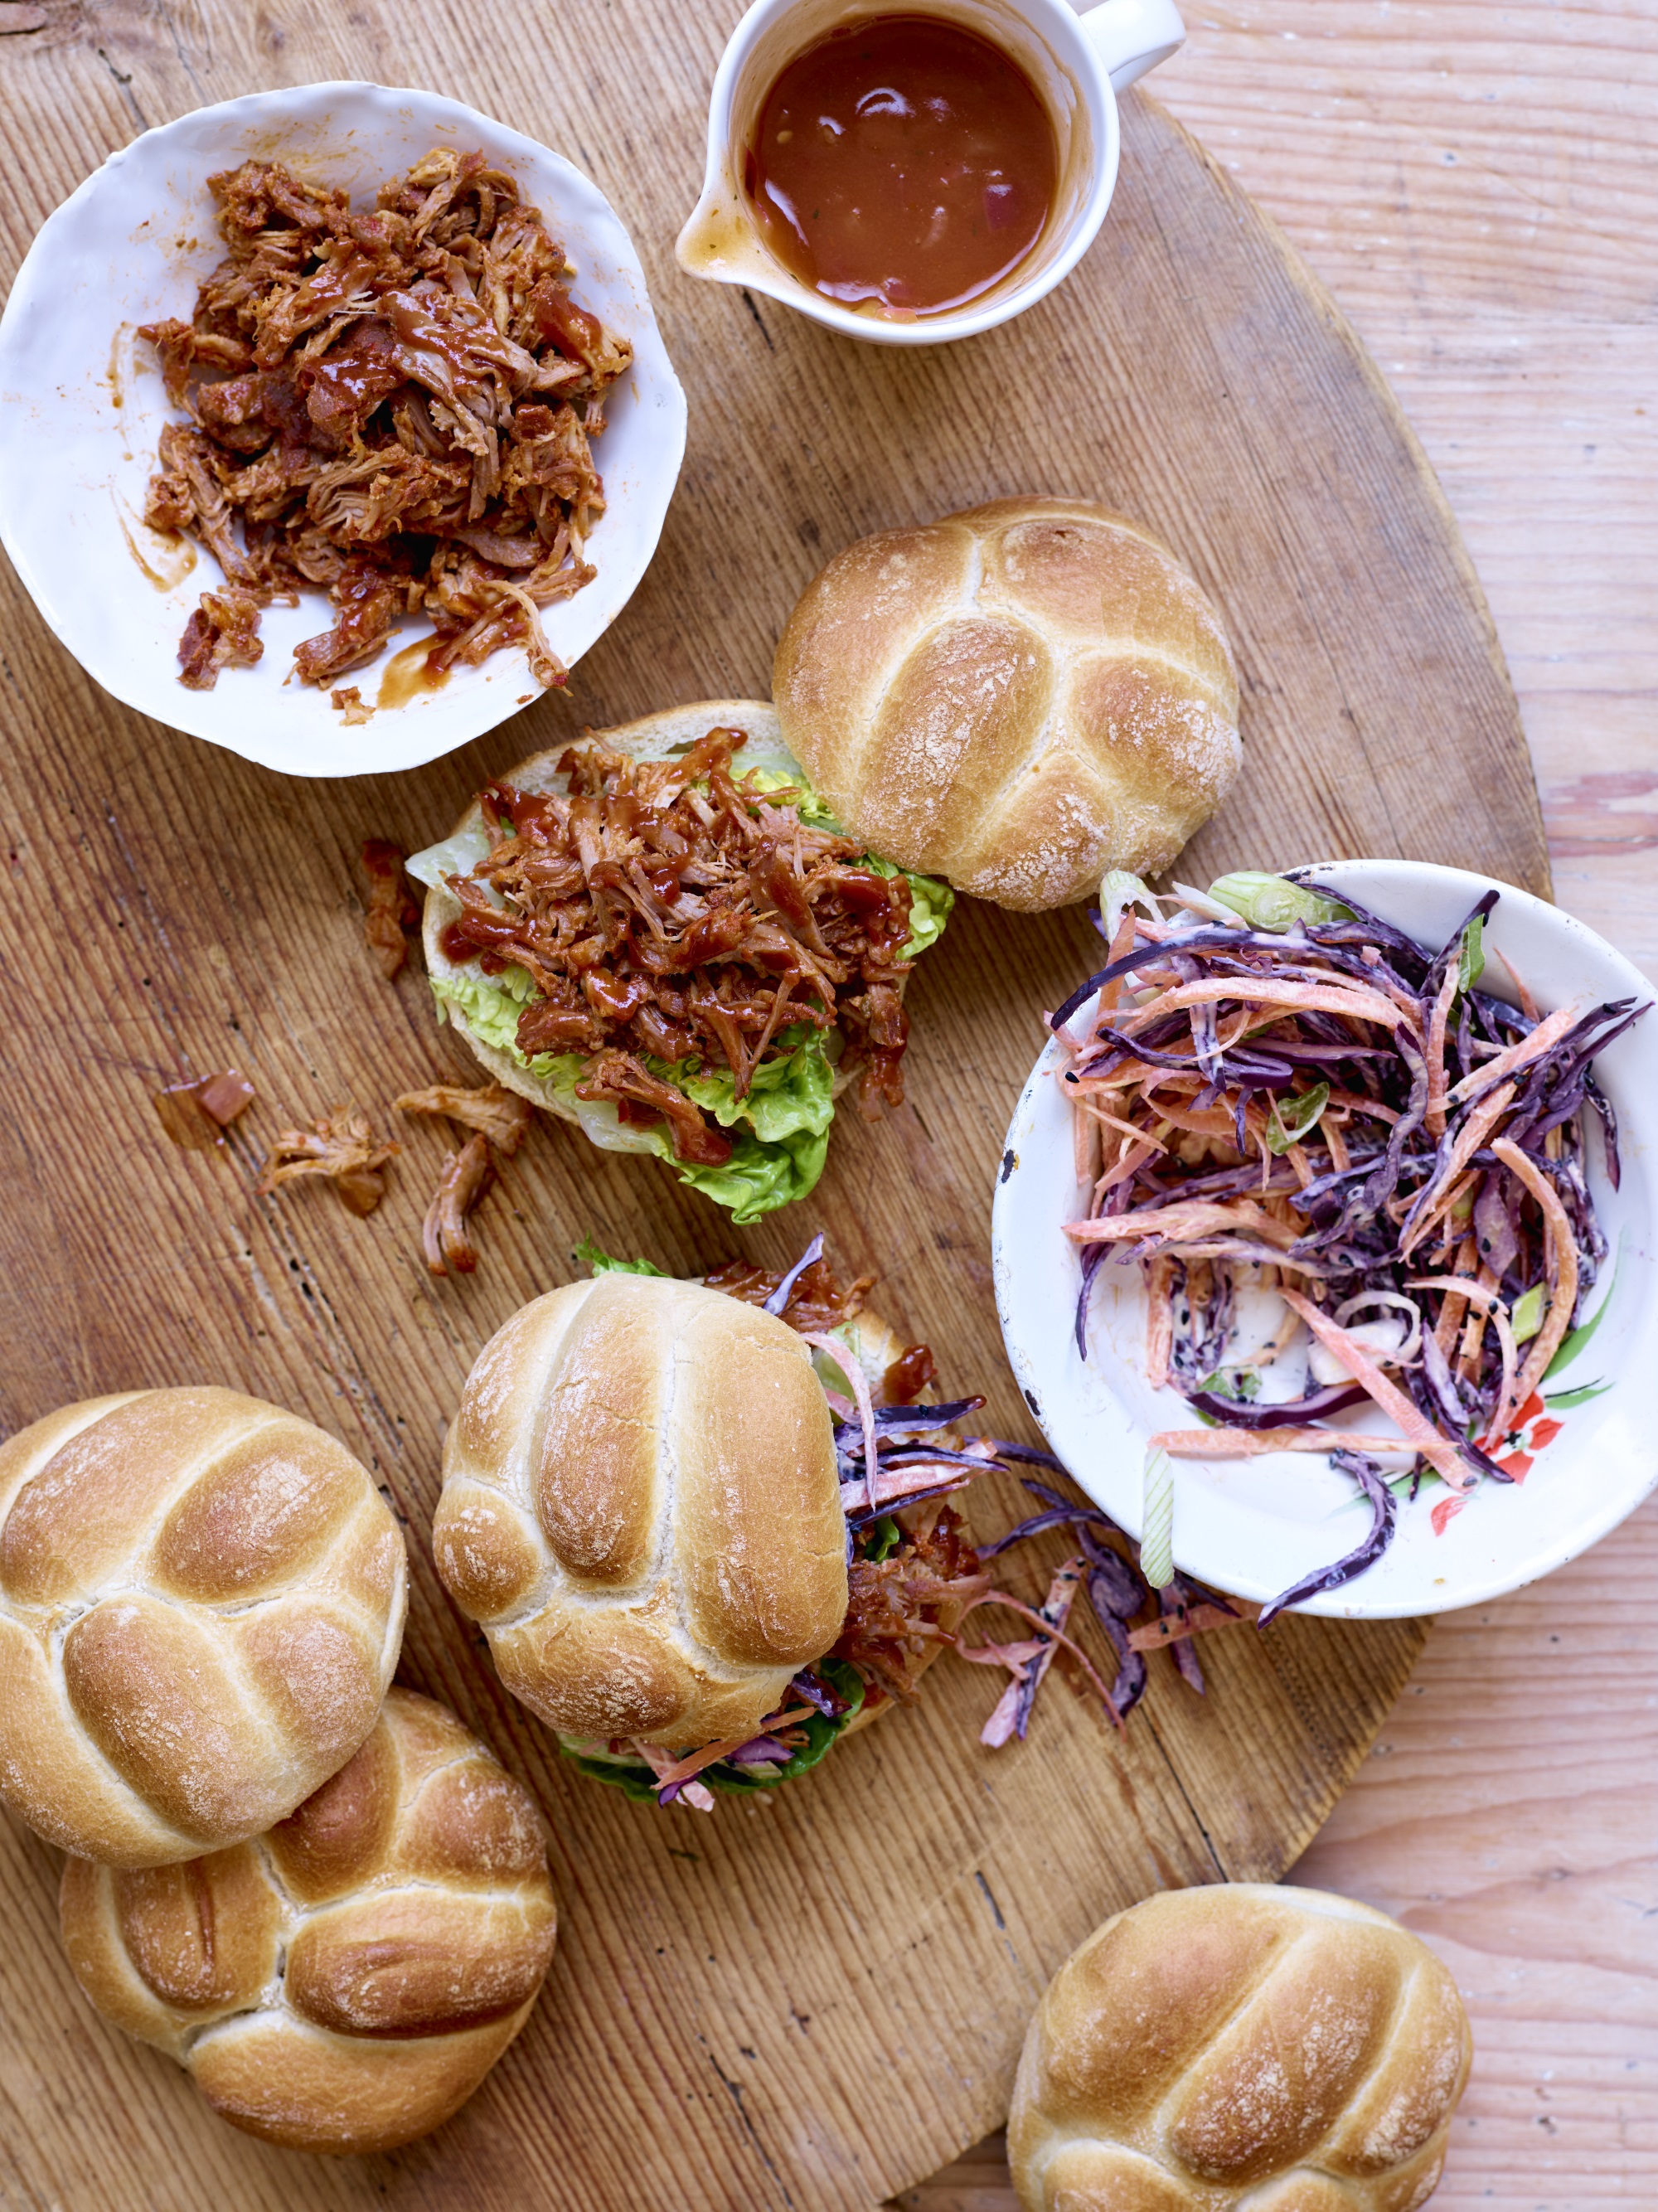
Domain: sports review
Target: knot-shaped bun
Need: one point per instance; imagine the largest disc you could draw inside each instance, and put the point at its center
(1019, 698)
(347, 1981)
(201, 1605)
(641, 1504)
(1281, 2048)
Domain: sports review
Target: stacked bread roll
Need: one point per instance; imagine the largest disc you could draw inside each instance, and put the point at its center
(345, 1983)
(333, 1907)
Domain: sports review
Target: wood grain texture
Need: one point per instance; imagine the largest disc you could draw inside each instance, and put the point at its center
(1474, 181)
(797, 2003)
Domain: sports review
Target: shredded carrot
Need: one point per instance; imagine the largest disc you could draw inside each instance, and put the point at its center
(1528, 1003)
(1437, 1087)
(1548, 1031)
(1563, 1305)
(1186, 1218)
(1363, 1005)
(1260, 1444)
(1473, 1134)
(1174, 1627)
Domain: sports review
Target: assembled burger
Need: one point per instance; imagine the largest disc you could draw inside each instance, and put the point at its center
(705, 1525)
(663, 933)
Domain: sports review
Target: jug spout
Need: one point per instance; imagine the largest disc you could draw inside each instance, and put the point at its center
(720, 240)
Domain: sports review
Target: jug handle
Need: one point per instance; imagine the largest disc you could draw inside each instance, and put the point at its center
(1134, 36)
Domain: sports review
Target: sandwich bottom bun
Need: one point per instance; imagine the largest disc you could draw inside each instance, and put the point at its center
(345, 1982)
(655, 737)
(1282, 2049)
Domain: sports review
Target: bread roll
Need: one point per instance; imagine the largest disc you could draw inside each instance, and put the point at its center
(1017, 698)
(641, 1506)
(1281, 2048)
(344, 1983)
(201, 1605)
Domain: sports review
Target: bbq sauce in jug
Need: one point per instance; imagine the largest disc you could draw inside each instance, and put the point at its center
(903, 164)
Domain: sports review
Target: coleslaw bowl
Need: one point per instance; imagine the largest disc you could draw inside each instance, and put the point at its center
(1254, 1526)
(81, 406)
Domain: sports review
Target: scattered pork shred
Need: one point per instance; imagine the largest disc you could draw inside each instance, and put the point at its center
(489, 1109)
(351, 707)
(1296, 1096)
(467, 1176)
(397, 406)
(341, 1147)
(677, 910)
(390, 910)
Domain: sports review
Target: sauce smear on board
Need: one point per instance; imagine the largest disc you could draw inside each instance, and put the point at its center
(903, 163)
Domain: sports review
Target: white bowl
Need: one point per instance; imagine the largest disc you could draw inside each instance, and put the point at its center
(1254, 1526)
(81, 405)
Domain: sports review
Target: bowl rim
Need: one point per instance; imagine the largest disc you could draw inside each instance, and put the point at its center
(1450, 1594)
(428, 737)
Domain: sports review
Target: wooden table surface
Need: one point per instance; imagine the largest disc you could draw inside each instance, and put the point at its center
(1475, 181)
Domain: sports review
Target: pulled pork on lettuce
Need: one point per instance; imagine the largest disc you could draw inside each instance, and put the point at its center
(685, 956)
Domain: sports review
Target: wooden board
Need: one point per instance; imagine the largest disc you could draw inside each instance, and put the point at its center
(815, 2003)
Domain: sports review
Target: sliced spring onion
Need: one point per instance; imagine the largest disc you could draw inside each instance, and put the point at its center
(1292, 1118)
(1526, 1315)
(1157, 1528)
(1272, 902)
(1472, 965)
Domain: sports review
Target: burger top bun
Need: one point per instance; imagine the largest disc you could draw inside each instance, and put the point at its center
(201, 1605)
(1212, 2048)
(641, 1506)
(1018, 698)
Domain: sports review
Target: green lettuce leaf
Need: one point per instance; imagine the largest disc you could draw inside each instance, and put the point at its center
(601, 1263)
(780, 1131)
(822, 1733)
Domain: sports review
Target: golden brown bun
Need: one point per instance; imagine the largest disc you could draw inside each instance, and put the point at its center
(1017, 698)
(640, 1505)
(652, 737)
(201, 1605)
(345, 1983)
(1280, 2047)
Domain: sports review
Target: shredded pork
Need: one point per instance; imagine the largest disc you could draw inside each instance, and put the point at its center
(390, 910)
(467, 1176)
(398, 406)
(673, 911)
(340, 1146)
(489, 1109)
